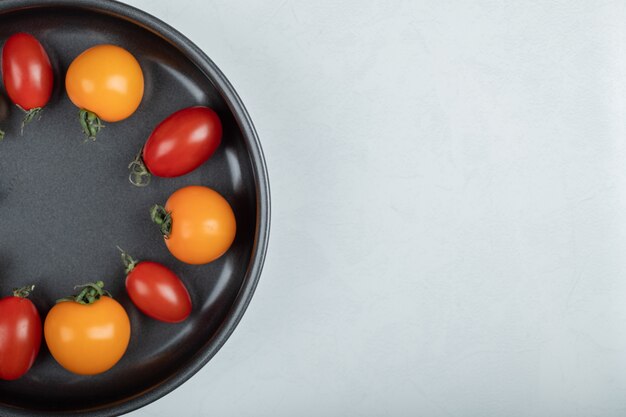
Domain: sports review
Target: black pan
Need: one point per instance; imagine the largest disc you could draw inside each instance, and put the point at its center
(65, 204)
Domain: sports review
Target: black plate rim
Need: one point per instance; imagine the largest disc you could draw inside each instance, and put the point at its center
(257, 159)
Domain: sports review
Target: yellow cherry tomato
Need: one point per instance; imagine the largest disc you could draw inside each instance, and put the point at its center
(107, 81)
(198, 224)
(87, 339)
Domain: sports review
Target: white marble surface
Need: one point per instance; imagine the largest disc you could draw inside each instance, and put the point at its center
(449, 208)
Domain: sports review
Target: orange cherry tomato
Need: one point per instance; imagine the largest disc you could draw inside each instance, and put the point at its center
(105, 81)
(87, 339)
(198, 224)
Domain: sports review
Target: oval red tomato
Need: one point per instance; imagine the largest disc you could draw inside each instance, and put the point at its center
(156, 290)
(27, 73)
(178, 145)
(20, 334)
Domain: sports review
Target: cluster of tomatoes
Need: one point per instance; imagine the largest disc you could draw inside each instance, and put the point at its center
(89, 332)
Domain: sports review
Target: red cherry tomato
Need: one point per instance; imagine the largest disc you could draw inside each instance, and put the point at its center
(27, 73)
(20, 334)
(178, 145)
(156, 290)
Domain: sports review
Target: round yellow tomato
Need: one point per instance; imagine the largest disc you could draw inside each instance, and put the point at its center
(198, 224)
(107, 81)
(87, 339)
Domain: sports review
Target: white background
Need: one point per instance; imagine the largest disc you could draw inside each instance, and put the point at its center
(449, 208)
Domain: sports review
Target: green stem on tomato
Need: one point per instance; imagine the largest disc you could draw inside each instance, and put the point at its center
(139, 174)
(24, 291)
(90, 123)
(90, 293)
(129, 262)
(30, 116)
(163, 219)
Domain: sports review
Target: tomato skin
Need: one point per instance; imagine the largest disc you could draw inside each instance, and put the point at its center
(106, 80)
(158, 292)
(203, 225)
(20, 336)
(182, 142)
(87, 339)
(26, 71)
